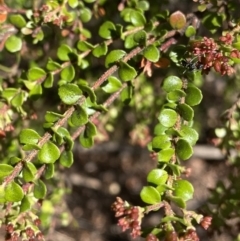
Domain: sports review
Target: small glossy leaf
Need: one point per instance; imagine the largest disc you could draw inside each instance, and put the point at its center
(29, 172)
(49, 171)
(36, 91)
(137, 18)
(86, 142)
(165, 155)
(144, 5)
(36, 73)
(159, 129)
(85, 14)
(73, 3)
(157, 176)
(51, 65)
(84, 45)
(150, 195)
(90, 129)
(52, 116)
(168, 117)
(194, 96)
(100, 50)
(13, 44)
(151, 53)
(48, 83)
(40, 189)
(190, 31)
(63, 52)
(66, 159)
(89, 92)
(183, 149)
(114, 56)
(160, 142)
(177, 20)
(2, 194)
(126, 94)
(68, 73)
(105, 31)
(25, 204)
(129, 42)
(172, 83)
(178, 201)
(18, 100)
(112, 85)
(49, 153)
(189, 134)
(30, 147)
(79, 117)
(183, 189)
(69, 93)
(186, 112)
(13, 192)
(5, 170)
(29, 136)
(17, 20)
(175, 95)
(126, 72)
(140, 37)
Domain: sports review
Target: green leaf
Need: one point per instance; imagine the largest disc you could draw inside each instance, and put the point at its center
(17, 20)
(25, 204)
(86, 89)
(189, 134)
(186, 112)
(126, 94)
(85, 14)
(49, 171)
(183, 149)
(178, 201)
(100, 50)
(112, 85)
(30, 147)
(40, 189)
(13, 44)
(2, 194)
(36, 92)
(69, 93)
(150, 195)
(190, 31)
(29, 171)
(137, 18)
(51, 65)
(18, 100)
(68, 73)
(144, 5)
(49, 153)
(5, 170)
(79, 117)
(194, 96)
(36, 73)
(73, 3)
(172, 83)
(175, 96)
(183, 189)
(159, 129)
(177, 20)
(157, 176)
(52, 116)
(84, 45)
(151, 53)
(48, 82)
(29, 136)
(126, 72)
(160, 142)
(168, 117)
(66, 159)
(114, 56)
(140, 37)
(165, 155)
(90, 129)
(129, 42)
(86, 142)
(13, 192)
(63, 52)
(106, 29)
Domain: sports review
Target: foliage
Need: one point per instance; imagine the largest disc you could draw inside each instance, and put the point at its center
(51, 53)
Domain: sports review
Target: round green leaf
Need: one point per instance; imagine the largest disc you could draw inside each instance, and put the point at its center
(49, 153)
(160, 142)
(178, 201)
(140, 37)
(84, 45)
(144, 5)
(190, 31)
(36, 73)
(137, 18)
(29, 136)
(52, 116)
(86, 142)
(49, 171)
(165, 155)
(48, 82)
(13, 192)
(29, 171)
(189, 134)
(194, 96)
(100, 50)
(79, 117)
(175, 95)
(150, 195)
(73, 3)
(112, 85)
(186, 112)
(17, 20)
(66, 159)
(105, 30)
(129, 42)
(157, 176)
(183, 149)
(85, 14)
(25, 204)
(13, 44)
(151, 53)
(183, 189)
(172, 83)
(68, 73)
(69, 93)
(51, 65)
(63, 52)
(5, 170)
(159, 129)
(40, 189)
(177, 20)
(168, 117)
(126, 72)
(114, 56)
